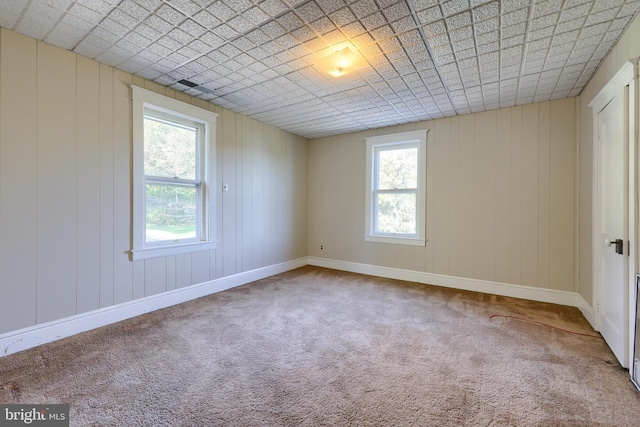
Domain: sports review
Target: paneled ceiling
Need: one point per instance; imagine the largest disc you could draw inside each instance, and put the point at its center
(427, 58)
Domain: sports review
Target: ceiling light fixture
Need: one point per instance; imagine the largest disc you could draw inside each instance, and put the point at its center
(342, 62)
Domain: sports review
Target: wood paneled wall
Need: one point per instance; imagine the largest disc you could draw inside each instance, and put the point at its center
(500, 197)
(65, 190)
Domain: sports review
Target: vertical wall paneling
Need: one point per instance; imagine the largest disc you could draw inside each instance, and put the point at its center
(466, 196)
(155, 276)
(267, 207)
(56, 181)
(247, 199)
(200, 267)
(516, 195)
(171, 272)
(106, 189)
(501, 187)
(238, 195)
(138, 279)
(543, 195)
(122, 268)
(183, 270)
(228, 198)
(18, 203)
(530, 194)
(502, 215)
(440, 140)
(88, 179)
(562, 214)
(432, 203)
(218, 253)
(65, 190)
(484, 241)
(258, 195)
(454, 175)
(278, 186)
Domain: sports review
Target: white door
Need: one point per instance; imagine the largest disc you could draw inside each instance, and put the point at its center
(613, 301)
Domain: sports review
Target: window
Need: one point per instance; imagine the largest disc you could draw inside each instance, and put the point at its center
(173, 159)
(396, 180)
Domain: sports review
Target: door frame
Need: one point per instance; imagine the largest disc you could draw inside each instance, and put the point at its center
(623, 83)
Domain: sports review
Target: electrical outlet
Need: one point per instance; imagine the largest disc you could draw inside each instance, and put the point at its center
(322, 247)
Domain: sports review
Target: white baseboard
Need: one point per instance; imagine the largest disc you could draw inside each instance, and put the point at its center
(33, 336)
(572, 299)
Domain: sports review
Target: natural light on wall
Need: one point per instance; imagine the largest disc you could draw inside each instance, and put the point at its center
(342, 62)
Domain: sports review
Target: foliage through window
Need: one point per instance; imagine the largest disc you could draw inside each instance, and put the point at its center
(173, 145)
(396, 180)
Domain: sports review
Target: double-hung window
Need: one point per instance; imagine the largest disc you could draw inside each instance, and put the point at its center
(173, 149)
(396, 188)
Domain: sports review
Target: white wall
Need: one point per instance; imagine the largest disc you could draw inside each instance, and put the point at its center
(65, 190)
(500, 198)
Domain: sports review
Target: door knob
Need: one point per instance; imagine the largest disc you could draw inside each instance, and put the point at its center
(618, 243)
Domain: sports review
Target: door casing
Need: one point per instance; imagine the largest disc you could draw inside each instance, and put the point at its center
(625, 80)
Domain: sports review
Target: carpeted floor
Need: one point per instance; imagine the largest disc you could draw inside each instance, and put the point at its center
(318, 347)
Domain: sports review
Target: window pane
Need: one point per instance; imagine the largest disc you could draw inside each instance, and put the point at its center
(169, 149)
(171, 212)
(398, 168)
(396, 213)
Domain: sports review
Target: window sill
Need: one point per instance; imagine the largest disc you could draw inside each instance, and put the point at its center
(396, 240)
(160, 251)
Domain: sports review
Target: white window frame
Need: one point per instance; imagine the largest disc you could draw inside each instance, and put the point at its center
(145, 101)
(376, 144)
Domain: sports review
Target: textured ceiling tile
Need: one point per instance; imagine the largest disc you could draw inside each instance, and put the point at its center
(487, 26)
(435, 28)
(629, 9)
(429, 15)
(516, 17)
(363, 8)
(600, 5)
(601, 17)
(396, 11)
(404, 24)
(267, 72)
(594, 30)
(542, 33)
(544, 21)
(65, 36)
(9, 17)
(570, 25)
(542, 8)
(464, 44)
(509, 6)
(487, 11)
(85, 13)
(513, 30)
(310, 11)
(486, 48)
(575, 12)
(454, 6)
(461, 33)
(458, 21)
(170, 15)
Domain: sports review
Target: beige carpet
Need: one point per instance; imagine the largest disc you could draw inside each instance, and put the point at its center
(317, 347)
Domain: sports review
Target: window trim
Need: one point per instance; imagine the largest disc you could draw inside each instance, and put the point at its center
(144, 100)
(417, 139)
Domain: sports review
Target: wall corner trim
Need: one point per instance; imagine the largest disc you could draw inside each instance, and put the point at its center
(33, 336)
(572, 299)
